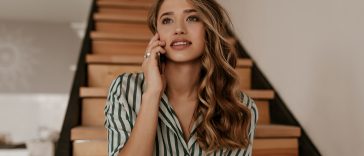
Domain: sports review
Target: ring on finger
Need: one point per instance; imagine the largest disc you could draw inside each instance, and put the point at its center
(147, 55)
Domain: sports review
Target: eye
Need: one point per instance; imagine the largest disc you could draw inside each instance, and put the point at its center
(166, 20)
(193, 18)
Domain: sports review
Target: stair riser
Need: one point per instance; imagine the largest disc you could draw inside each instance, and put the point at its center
(119, 47)
(122, 47)
(276, 152)
(102, 75)
(99, 148)
(124, 11)
(263, 111)
(129, 0)
(93, 111)
(118, 27)
(111, 42)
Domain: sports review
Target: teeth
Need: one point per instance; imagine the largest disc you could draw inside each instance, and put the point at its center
(180, 43)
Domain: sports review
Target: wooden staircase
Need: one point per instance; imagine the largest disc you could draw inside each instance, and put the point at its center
(118, 42)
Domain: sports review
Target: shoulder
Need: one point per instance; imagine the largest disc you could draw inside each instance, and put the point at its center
(247, 100)
(126, 82)
(250, 103)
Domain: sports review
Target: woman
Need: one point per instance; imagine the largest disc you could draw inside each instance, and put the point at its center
(193, 104)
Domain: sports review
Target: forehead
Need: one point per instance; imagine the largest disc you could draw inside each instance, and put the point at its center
(175, 6)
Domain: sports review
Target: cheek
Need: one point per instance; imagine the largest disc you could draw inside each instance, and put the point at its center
(200, 35)
(163, 34)
(202, 39)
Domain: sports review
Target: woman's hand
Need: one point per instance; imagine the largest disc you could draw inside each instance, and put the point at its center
(155, 81)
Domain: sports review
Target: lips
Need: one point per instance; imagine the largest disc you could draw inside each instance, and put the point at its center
(180, 42)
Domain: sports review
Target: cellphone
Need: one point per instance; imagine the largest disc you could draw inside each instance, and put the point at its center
(161, 60)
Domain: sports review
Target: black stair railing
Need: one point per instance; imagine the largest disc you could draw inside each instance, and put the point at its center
(73, 111)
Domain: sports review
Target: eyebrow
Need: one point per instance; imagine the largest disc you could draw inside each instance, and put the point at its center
(171, 13)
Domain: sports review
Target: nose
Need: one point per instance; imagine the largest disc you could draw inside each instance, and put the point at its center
(180, 28)
(179, 31)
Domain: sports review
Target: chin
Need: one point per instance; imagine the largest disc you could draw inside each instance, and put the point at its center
(183, 59)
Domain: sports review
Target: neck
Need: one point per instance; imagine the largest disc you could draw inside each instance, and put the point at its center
(182, 79)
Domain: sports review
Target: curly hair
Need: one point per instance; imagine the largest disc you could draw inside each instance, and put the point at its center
(225, 118)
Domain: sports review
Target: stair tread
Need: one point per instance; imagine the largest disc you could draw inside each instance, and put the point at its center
(262, 131)
(276, 130)
(120, 17)
(129, 4)
(101, 92)
(137, 59)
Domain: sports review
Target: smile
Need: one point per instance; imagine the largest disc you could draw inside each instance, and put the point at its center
(180, 45)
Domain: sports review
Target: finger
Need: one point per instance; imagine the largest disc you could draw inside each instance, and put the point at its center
(162, 43)
(155, 44)
(158, 50)
(154, 38)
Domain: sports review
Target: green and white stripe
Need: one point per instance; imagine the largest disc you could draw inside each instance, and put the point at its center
(122, 107)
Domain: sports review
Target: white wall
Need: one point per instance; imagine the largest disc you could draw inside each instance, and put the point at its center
(36, 57)
(24, 117)
(36, 75)
(312, 52)
(64, 11)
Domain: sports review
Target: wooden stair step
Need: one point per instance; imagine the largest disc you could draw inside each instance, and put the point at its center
(101, 75)
(126, 27)
(119, 47)
(262, 147)
(98, 35)
(277, 131)
(112, 17)
(262, 131)
(102, 69)
(275, 147)
(147, 1)
(101, 92)
(135, 8)
(124, 4)
(114, 59)
(263, 110)
(88, 133)
(89, 148)
(105, 67)
(136, 59)
(104, 44)
(119, 36)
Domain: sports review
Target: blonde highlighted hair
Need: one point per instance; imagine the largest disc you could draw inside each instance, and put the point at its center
(225, 118)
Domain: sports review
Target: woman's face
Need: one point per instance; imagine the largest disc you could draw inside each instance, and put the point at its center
(179, 25)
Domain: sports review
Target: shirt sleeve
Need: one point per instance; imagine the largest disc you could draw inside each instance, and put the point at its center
(117, 121)
(254, 120)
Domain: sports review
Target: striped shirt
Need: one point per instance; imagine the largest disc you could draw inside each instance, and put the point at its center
(121, 110)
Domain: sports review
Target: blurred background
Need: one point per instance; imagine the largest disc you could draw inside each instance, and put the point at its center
(39, 46)
(311, 51)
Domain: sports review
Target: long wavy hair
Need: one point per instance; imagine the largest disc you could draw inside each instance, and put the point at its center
(225, 118)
